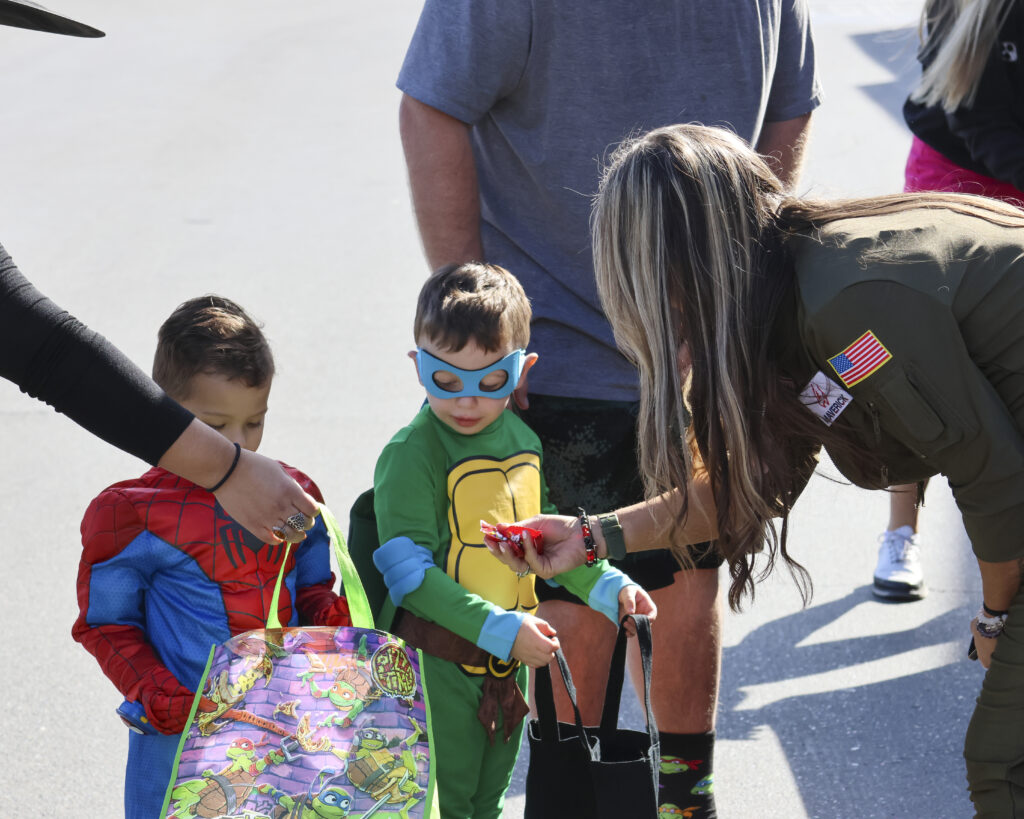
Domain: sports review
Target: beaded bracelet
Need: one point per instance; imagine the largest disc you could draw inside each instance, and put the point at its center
(234, 463)
(588, 538)
(988, 625)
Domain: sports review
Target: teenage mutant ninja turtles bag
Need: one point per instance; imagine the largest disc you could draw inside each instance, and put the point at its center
(308, 722)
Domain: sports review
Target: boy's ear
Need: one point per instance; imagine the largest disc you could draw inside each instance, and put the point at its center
(528, 362)
(412, 355)
(520, 395)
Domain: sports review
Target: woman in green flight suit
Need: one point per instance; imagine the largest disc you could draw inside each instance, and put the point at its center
(889, 330)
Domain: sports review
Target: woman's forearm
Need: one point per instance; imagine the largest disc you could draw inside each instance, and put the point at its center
(52, 356)
(1000, 583)
(648, 525)
(200, 454)
(259, 494)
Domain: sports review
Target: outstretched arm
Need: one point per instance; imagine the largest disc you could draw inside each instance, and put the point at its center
(52, 356)
(260, 495)
(646, 525)
(55, 358)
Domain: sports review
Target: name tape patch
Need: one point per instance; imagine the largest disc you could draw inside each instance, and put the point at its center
(860, 359)
(825, 398)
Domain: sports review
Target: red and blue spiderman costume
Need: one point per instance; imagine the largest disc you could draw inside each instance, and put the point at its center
(165, 574)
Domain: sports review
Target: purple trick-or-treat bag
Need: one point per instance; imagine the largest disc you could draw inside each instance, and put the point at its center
(308, 722)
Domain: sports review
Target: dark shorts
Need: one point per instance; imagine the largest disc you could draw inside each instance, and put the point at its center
(590, 462)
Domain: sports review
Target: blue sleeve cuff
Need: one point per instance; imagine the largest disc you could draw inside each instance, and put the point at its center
(499, 633)
(403, 565)
(604, 597)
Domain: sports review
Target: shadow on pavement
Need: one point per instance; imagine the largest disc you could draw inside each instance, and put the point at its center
(895, 50)
(889, 748)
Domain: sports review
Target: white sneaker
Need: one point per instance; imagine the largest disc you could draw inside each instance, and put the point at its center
(898, 575)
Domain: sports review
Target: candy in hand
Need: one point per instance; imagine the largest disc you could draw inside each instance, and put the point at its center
(513, 536)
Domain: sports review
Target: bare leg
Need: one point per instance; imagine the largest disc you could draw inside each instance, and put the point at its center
(687, 654)
(903, 506)
(587, 639)
(684, 689)
(684, 685)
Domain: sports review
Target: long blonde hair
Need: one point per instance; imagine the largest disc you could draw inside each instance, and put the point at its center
(957, 38)
(689, 235)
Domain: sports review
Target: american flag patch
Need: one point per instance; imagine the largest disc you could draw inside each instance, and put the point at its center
(860, 359)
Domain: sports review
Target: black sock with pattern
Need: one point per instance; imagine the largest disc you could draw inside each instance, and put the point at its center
(687, 782)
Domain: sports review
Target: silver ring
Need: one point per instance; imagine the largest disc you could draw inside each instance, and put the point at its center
(299, 522)
(523, 573)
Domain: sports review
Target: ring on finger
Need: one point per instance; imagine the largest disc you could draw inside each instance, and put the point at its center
(288, 532)
(524, 573)
(299, 522)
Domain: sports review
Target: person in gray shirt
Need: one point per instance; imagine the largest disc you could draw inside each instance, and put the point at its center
(509, 109)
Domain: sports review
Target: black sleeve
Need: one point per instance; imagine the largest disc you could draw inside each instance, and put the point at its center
(992, 129)
(52, 356)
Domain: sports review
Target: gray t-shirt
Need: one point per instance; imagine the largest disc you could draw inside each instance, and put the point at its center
(550, 87)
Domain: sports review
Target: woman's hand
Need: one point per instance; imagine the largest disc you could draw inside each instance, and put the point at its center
(1000, 583)
(633, 599)
(984, 646)
(563, 547)
(261, 496)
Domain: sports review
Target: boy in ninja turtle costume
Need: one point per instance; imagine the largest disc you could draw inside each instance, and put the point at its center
(463, 460)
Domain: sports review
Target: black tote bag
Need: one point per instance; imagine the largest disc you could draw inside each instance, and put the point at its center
(603, 772)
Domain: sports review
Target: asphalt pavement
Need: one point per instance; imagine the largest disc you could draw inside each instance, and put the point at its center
(250, 148)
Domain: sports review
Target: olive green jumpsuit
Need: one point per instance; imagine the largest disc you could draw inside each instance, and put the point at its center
(937, 387)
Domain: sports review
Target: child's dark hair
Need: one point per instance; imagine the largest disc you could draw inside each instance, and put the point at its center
(473, 301)
(210, 334)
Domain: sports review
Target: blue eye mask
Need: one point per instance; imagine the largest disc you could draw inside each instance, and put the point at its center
(458, 383)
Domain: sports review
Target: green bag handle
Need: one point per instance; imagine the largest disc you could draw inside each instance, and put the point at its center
(359, 609)
(358, 605)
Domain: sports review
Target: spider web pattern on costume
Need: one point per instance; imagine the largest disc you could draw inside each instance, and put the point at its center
(160, 527)
(189, 519)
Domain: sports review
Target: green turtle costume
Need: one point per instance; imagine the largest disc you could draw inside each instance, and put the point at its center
(461, 605)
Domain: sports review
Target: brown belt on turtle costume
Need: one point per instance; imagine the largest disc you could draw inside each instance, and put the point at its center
(499, 693)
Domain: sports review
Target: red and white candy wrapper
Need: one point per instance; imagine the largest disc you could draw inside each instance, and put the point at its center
(513, 536)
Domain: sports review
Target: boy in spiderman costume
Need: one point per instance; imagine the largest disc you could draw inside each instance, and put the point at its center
(166, 573)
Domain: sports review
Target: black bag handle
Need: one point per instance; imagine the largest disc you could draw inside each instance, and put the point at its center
(613, 692)
(543, 698)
